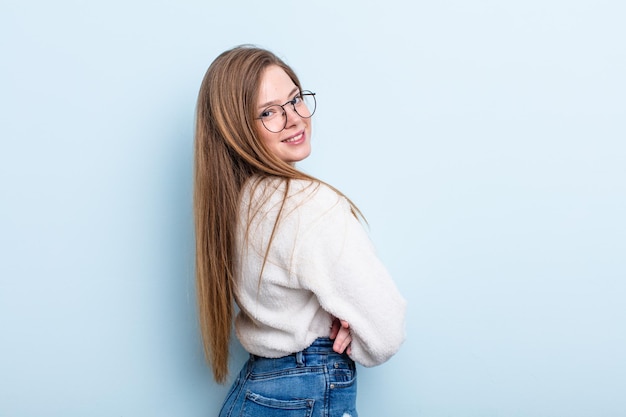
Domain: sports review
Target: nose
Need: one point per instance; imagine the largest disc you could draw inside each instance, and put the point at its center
(291, 116)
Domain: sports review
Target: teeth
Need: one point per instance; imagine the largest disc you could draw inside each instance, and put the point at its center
(295, 138)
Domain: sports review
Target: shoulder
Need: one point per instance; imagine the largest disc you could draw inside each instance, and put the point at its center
(305, 202)
(313, 193)
(314, 201)
(295, 192)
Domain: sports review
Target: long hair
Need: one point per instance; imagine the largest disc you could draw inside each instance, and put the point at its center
(227, 153)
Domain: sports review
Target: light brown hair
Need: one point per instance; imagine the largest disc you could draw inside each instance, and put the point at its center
(227, 153)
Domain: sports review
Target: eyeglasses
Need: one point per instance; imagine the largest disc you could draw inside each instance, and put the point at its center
(274, 118)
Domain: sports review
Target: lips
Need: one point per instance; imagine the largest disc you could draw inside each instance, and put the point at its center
(297, 138)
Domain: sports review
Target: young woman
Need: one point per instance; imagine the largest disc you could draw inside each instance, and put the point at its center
(289, 249)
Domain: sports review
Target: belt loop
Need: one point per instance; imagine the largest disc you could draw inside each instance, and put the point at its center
(300, 359)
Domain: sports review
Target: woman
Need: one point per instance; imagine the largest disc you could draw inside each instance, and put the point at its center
(288, 248)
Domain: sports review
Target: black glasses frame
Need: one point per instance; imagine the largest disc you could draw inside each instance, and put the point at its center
(302, 94)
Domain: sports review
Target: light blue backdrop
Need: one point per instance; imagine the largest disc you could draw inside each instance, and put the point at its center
(484, 141)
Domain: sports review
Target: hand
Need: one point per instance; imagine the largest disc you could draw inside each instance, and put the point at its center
(340, 332)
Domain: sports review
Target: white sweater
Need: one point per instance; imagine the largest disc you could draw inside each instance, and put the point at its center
(321, 264)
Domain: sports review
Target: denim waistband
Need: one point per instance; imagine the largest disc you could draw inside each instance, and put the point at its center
(320, 345)
(319, 352)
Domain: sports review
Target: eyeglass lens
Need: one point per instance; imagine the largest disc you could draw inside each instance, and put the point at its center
(274, 118)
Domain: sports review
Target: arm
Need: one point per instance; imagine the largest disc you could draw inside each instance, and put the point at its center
(336, 260)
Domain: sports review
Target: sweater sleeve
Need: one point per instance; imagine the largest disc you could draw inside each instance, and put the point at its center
(335, 259)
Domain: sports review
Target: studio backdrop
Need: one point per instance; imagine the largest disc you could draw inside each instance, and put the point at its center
(484, 142)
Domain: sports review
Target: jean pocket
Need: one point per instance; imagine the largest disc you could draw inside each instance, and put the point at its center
(343, 373)
(257, 405)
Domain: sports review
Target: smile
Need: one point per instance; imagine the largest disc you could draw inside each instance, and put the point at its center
(295, 139)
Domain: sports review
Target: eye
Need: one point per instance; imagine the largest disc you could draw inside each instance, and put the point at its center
(296, 100)
(268, 113)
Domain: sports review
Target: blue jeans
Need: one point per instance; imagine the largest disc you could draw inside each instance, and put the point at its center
(316, 382)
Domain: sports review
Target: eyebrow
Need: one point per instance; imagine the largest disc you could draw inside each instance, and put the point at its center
(269, 103)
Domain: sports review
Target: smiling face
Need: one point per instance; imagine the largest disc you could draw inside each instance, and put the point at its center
(293, 143)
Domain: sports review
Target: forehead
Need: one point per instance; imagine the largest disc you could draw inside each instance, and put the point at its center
(275, 85)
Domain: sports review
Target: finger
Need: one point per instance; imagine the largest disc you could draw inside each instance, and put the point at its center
(342, 341)
(343, 345)
(337, 345)
(334, 328)
(344, 337)
(346, 343)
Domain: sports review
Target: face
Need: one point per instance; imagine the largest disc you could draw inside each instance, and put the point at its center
(293, 143)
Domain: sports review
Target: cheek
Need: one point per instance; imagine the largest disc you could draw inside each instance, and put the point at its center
(270, 140)
(262, 134)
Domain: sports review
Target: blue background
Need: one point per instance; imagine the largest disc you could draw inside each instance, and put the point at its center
(483, 140)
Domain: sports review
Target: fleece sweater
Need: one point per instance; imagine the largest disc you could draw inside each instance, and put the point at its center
(321, 264)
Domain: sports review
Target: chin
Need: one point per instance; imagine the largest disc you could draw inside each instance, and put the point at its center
(300, 156)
